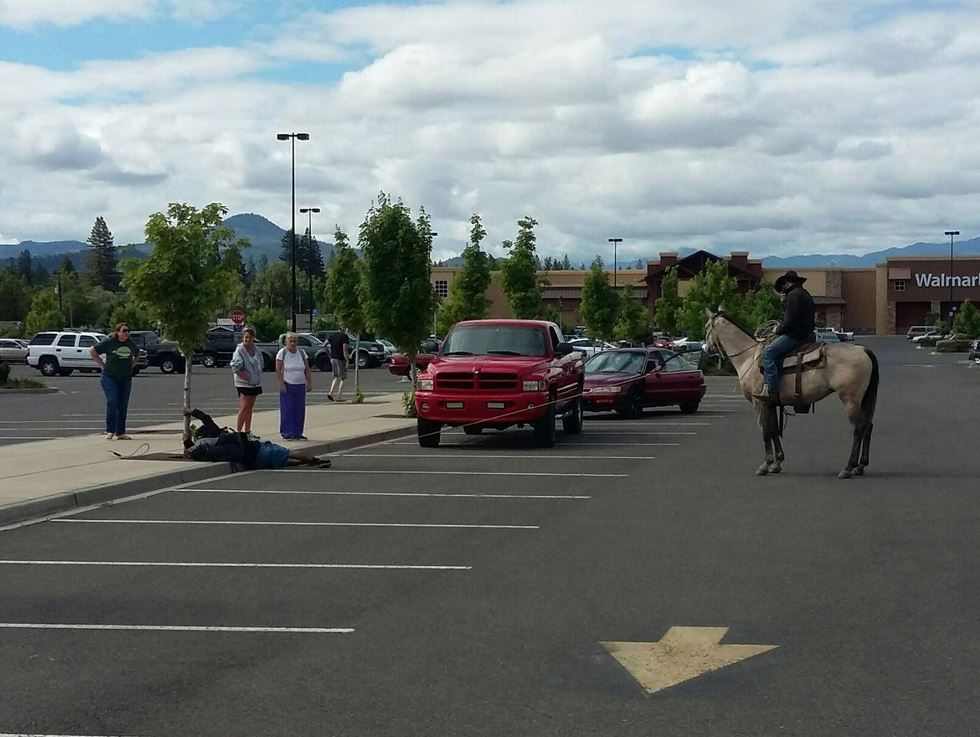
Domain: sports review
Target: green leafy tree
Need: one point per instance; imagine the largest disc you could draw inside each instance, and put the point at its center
(101, 262)
(14, 297)
(398, 298)
(633, 322)
(761, 306)
(44, 313)
(272, 288)
(187, 279)
(138, 318)
(467, 294)
(667, 307)
(268, 323)
(345, 284)
(967, 320)
(600, 305)
(519, 274)
(711, 289)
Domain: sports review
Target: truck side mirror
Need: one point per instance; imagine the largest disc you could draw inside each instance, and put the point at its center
(563, 349)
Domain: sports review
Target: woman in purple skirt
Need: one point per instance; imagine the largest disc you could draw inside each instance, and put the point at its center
(295, 380)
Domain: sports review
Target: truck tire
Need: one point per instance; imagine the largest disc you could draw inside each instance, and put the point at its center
(689, 408)
(168, 365)
(544, 428)
(571, 421)
(429, 433)
(208, 360)
(48, 366)
(363, 360)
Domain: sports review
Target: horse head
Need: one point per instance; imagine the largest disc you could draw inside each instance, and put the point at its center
(711, 339)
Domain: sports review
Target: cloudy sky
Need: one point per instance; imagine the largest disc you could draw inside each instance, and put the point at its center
(776, 126)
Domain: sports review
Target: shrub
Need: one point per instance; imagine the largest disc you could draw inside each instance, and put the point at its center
(960, 345)
(4, 372)
(408, 403)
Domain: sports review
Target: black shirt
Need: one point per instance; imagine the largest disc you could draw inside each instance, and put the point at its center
(799, 317)
(337, 342)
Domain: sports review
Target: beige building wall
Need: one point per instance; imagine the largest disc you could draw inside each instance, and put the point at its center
(859, 292)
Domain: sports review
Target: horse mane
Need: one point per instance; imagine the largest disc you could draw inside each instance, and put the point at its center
(737, 323)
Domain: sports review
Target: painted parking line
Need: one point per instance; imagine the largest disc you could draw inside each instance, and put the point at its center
(168, 564)
(537, 456)
(176, 628)
(333, 471)
(384, 493)
(21, 734)
(249, 523)
(477, 444)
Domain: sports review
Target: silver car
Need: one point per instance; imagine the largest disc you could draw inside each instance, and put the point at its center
(13, 350)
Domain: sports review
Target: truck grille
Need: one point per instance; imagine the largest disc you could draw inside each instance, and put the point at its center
(485, 381)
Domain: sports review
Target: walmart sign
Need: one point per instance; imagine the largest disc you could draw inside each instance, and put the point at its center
(944, 280)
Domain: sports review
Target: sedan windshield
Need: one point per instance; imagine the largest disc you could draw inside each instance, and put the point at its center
(615, 362)
(497, 340)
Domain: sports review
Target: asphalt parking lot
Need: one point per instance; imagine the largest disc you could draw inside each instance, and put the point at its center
(78, 408)
(467, 590)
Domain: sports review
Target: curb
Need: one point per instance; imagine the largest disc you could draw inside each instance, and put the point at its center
(24, 511)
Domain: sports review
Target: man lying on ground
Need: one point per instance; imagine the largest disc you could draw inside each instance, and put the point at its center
(213, 443)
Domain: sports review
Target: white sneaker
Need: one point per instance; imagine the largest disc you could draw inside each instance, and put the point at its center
(124, 436)
(110, 436)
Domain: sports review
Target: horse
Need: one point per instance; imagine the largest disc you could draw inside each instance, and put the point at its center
(849, 370)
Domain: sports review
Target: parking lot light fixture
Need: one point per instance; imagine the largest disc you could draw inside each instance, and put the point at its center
(615, 242)
(952, 311)
(292, 138)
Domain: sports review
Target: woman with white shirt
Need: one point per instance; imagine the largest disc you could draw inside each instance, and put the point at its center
(246, 363)
(295, 380)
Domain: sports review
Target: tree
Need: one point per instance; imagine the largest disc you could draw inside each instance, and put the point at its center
(25, 268)
(967, 320)
(345, 285)
(398, 297)
(66, 266)
(467, 298)
(600, 305)
(711, 289)
(519, 277)
(633, 322)
(138, 318)
(566, 263)
(100, 268)
(668, 305)
(761, 306)
(187, 278)
(268, 323)
(14, 299)
(44, 313)
(272, 288)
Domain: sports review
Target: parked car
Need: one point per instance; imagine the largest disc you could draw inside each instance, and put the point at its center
(219, 346)
(62, 352)
(662, 341)
(400, 365)
(917, 330)
(629, 379)
(827, 335)
(928, 338)
(13, 350)
(588, 347)
(975, 352)
(369, 353)
(164, 354)
(499, 373)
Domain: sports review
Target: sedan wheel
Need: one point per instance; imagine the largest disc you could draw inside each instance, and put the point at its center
(689, 408)
(632, 406)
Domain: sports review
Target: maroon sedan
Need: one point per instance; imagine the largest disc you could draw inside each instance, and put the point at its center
(629, 379)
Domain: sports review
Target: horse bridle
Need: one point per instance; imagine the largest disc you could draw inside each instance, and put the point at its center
(711, 322)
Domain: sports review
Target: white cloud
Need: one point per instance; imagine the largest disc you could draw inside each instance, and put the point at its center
(26, 14)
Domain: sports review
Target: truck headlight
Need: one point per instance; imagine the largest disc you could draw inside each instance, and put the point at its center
(612, 389)
(535, 385)
(426, 385)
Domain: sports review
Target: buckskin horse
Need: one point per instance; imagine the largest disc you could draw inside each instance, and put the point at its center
(849, 370)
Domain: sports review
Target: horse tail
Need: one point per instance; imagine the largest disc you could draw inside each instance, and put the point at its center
(870, 398)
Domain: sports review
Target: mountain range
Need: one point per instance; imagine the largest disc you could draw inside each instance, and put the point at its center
(266, 239)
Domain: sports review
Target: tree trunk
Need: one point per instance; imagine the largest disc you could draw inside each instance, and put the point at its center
(187, 394)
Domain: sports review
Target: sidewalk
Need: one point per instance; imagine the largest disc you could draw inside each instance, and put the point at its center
(49, 476)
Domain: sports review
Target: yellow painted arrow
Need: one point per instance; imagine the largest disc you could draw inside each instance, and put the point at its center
(682, 654)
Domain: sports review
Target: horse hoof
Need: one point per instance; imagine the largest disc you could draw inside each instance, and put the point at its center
(845, 474)
(859, 471)
(762, 470)
(775, 469)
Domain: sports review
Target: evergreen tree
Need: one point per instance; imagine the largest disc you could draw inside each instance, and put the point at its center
(286, 253)
(566, 263)
(102, 260)
(967, 320)
(668, 305)
(633, 322)
(14, 297)
(66, 266)
(600, 305)
(467, 294)
(25, 268)
(519, 277)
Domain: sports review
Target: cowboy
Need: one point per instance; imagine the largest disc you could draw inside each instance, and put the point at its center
(795, 329)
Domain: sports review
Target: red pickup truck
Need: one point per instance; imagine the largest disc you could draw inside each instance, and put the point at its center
(499, 373)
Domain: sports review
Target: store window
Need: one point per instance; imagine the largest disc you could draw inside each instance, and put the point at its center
(442, 288)
(900, 285)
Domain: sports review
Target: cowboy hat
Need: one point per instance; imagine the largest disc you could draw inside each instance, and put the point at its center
(789, 276)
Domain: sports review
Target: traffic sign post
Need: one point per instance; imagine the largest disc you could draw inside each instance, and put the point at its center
(237, 317)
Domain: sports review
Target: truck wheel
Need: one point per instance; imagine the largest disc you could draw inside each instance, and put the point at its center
(429, 433)
(168, 366)
(48, 366)
(689, 408)
(208, 360)
(571, 422)
(544, 428)
(632, 405)
(363, 360)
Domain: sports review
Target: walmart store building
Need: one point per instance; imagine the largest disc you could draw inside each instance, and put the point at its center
(884, 300)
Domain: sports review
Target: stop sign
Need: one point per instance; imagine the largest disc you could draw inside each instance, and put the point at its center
(237, 317)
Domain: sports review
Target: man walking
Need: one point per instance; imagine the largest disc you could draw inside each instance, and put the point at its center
(795, 329)
(339, 356)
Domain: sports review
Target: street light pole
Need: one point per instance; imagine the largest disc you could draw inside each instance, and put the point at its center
(435, 311)
(951, 233)
(309, 264)
(615, 242)
(292, 138)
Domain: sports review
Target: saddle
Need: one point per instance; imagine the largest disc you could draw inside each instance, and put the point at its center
(810, 355)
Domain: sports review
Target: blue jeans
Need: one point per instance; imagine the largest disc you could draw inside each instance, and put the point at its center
(772, 356)
(116, 403)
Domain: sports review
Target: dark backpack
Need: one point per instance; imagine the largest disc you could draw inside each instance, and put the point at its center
(229, 447)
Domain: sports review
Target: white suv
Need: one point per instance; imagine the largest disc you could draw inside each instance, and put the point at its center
(62, 352)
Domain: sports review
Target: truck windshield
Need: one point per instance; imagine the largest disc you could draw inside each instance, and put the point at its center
(506, 340)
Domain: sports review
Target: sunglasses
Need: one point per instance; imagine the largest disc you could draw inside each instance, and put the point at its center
(123, 330)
